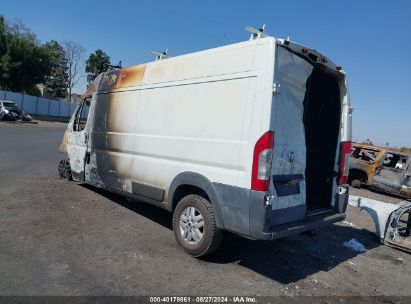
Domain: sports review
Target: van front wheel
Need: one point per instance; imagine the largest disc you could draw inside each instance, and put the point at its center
(195, 227)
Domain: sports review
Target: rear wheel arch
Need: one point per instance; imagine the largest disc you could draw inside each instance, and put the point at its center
(184, 190)
(186, 183)
(358, 174)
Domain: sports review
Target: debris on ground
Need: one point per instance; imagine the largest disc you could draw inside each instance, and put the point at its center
(392, 221)
(355, 245)
(349, 224)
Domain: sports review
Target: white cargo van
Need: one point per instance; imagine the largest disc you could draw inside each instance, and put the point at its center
(251, 138)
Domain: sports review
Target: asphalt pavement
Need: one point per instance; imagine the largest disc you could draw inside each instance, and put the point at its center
(62, 238)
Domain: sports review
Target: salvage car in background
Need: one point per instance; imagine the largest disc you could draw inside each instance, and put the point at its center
(10, 111)
(394, 174)
(364, 163)
(381, 169)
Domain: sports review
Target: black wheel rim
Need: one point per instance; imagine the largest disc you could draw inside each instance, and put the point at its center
(64, 169)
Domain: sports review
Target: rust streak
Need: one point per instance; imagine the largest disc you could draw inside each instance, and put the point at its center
(131, 76)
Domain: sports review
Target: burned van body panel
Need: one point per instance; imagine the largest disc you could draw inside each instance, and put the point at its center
(194, 124)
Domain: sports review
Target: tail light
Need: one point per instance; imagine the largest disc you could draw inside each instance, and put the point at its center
(262, 158)
(344, 162)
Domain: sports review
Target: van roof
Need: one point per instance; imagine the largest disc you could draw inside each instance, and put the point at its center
(134, 73)
(311, 55)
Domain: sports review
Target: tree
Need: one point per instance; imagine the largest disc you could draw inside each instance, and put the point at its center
(19, 28)
(57, 82)
(75, 58)
(3, 28)
(96, 63)
(23, 61)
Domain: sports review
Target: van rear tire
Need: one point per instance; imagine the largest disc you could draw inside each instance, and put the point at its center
(194, 226)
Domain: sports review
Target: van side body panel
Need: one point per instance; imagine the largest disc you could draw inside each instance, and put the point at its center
(142, 134)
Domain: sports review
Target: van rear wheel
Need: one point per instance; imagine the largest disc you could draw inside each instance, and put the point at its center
(194, 226)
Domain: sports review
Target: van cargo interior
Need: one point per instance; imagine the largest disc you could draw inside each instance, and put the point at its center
(322, 114)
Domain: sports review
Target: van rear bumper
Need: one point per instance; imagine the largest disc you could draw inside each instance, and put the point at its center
(244, 212)
(308, 223)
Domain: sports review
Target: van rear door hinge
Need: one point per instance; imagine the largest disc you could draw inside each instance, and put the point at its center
(276, 88)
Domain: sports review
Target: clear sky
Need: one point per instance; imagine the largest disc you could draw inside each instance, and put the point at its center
(371, 40)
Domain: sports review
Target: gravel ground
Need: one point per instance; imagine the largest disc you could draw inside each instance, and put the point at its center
(61, 238)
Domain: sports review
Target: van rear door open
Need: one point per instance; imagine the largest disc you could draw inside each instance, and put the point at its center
(289, 154)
